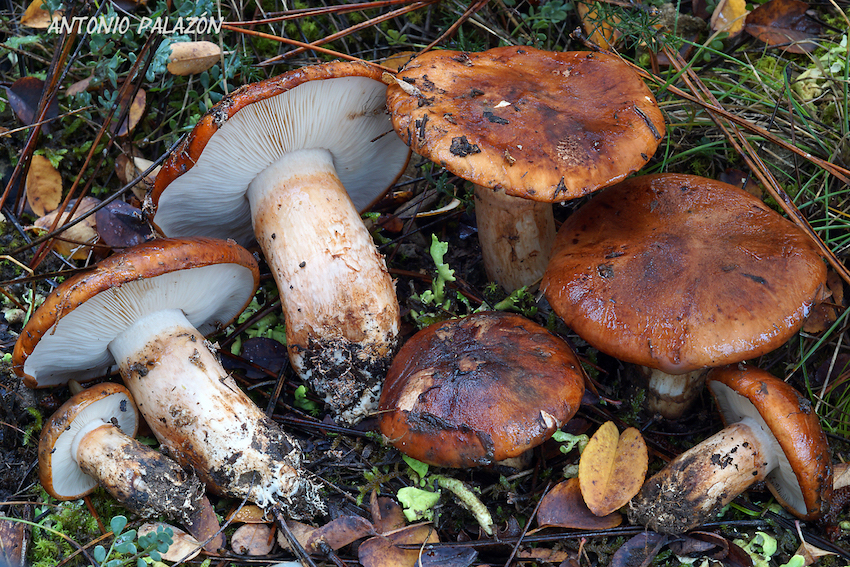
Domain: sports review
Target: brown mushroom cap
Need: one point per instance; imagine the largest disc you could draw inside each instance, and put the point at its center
(68, 336)
(802, 482)
(473, 391)
(104, 403)
(547, 126)
(678, 272)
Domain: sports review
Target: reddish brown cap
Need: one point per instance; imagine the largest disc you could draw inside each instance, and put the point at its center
(679, 272)
(802, 482)
(548, 126)
(337, 106)
(210, 280)
(59, 473)
(473, 391)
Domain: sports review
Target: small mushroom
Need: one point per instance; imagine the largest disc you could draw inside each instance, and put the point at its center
(529, 128)
(772, 433)
(290, 161)
(89, 442)
(146, 310)
(679, 273)
(477, 390)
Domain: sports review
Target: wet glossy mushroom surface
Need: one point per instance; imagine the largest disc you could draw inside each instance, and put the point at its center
(478, 390)
(679, 272)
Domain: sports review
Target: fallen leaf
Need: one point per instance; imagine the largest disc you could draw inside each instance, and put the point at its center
(639, 550)
(300, 531)
(564, 507)
(340, 532)
(248, 514)
(784, 24)
(810, 553)
(387, 514)
(192, 57)
(612, 468)
(700, 544)
(134, 115)
(36, 16)
(44, 186)
(599, 30)
(383, 550)
(24, 96)
(74, 242)
(80, 86)
(121, 225)
(252, 539)
(729, 16)
(183, 546)
(824, 314)
(204, 525)
(398, 60)
(840, 475)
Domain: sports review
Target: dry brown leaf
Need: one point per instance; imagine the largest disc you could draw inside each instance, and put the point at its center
(80, 86)
(12, 543)
(729, 16)
(183, 546)
(612, 468)
(824, 314)
(76, 241)
(785, 24)
(564, 507)
(252, 539)
(44, 186)
(248, 514)
(810, 553)
(387, 514)
(383, 550)
(840, 475)
(340, 532)
(191, 57)
(24, 96)
(37, 17)
(300, 531)
(598, 30)
(134, 115)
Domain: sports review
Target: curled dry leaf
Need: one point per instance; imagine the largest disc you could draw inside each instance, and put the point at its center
(784, 24)
(387, 514)
(44, 186)
(564, 507)
(252, 539)
(36, 16)
(383, 550)
(340, 532)
(121, 225)
(24, 96)
(134, 114)
(183, 547)
(74, 242)
(640, 550)
(824, 314)
(612, 468)
(729, 17)
(192, 57)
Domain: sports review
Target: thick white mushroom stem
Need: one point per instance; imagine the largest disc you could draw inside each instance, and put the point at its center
(342, 315)
(142, 479)
(696, 485)
(671, 395)
(204, 420)
(516, 237)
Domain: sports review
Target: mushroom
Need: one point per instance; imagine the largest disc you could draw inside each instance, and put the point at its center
(528, 128)
(147, 310)
(771, 434)
(289, 161)
(89, 442)
(473, 391)
(678, 273)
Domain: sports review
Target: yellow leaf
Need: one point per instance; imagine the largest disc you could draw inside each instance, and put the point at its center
(37, 17)
(191, 57)
(612, 468)
(729, 16)
(44, 186)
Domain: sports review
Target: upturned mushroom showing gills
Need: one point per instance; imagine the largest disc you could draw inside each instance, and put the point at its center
(473, 391)
(679, 273)
(290, 161)
(529, 128)
(772, 433)
(89, 442)
(147, 310)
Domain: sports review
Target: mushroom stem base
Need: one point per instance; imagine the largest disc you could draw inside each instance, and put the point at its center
(204, 420)
(696, 485)
(342, 314)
